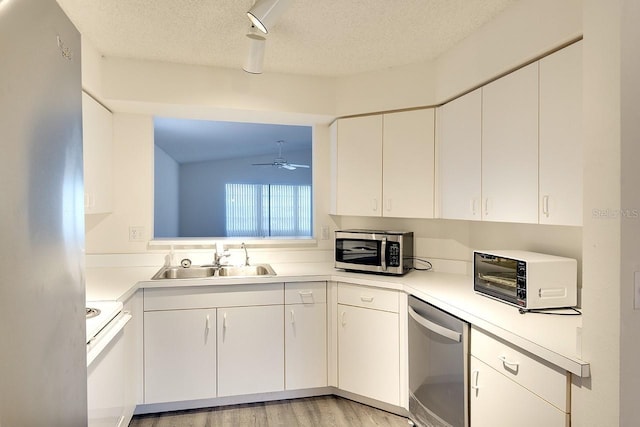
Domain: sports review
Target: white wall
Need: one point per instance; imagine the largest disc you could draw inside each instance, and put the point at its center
(132, 188)
(216, 93)
(166, 200)
(91, 69)
(596, 400)
(443, 240)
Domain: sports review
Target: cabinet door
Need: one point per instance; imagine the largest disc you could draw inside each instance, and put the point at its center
(368, 353)
(496, 400)
(561, 137)
(510, 147)
(305, 346)
(97, 146)
(358, 166)
(408, 164)
(179, 355)
(459, 133)
(250, 350)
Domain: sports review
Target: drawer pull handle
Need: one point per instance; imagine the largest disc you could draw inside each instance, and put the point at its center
(366, 299)
(508, 362)
(206, 326)
(474, 385)
(224, 321)
(306, 296)
(343, 318)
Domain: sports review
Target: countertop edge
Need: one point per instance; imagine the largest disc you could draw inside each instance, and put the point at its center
(574, 365)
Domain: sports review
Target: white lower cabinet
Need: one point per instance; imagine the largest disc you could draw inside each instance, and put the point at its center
(369, 342)
(179, 355)
(206, 342)
(305, 335)
(250, 350)
(509, 387)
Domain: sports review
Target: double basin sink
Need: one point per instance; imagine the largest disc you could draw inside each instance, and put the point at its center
(207, 271)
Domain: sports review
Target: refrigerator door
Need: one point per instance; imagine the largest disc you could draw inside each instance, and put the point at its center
(42, 298)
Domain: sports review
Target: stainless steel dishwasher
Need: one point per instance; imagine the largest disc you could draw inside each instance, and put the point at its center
(438, 366)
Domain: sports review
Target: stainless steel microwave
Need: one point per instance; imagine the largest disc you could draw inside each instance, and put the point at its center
(374, 251)
(529, 280)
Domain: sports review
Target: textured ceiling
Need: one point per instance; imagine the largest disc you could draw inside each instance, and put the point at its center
(313, 37)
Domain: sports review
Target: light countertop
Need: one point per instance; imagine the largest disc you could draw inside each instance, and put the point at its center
(551, 337)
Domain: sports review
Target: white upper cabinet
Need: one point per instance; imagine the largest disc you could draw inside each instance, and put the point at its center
(358, 166)
(408, 164)
(512, 151)
(97, 145)
(561, 137)
(459, 152)
(510, 147)
(383, 165)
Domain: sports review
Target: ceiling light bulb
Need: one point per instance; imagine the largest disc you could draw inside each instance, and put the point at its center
(265, 13)
(255, 58)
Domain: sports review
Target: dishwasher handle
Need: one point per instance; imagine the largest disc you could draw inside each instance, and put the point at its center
(434, 327)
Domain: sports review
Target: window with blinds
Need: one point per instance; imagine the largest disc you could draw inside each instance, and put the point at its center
(262, 210)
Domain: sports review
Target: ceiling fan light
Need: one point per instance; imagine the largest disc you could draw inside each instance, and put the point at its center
(255, 57)
(265, 13)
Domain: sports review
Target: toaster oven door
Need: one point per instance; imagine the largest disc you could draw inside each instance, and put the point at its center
(498, 277)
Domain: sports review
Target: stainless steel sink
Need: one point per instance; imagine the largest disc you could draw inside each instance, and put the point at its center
(246, 271)
(207, 272)
(194, 272)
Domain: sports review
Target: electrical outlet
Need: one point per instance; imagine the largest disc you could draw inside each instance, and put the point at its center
(136, 233)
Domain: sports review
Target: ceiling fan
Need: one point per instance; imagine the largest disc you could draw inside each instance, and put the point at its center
(280, 162)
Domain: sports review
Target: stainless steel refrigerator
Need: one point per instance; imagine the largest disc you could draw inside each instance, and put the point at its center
(42, 298)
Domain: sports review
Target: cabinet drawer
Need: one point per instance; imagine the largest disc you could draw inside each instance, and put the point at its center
(305, 293)
(213, 296)
(368, 297)
(495, 400)
(540, 377)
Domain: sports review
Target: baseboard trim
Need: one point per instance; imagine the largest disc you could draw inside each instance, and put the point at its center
(267, 397)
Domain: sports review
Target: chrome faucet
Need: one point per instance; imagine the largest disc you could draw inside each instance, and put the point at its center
(219, 254)
(246, 254)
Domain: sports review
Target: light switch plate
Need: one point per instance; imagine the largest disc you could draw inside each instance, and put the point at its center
(324, 233)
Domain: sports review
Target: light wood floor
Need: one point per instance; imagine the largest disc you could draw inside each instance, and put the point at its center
(329, 411)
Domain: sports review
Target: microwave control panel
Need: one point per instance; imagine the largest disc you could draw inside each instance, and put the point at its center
(521, 282)
(394, 254)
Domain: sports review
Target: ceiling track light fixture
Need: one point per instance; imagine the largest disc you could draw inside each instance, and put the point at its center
(265, 13)
(255, 56)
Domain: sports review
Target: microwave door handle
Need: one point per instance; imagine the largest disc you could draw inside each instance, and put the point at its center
(383, 249)
(434, 327)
